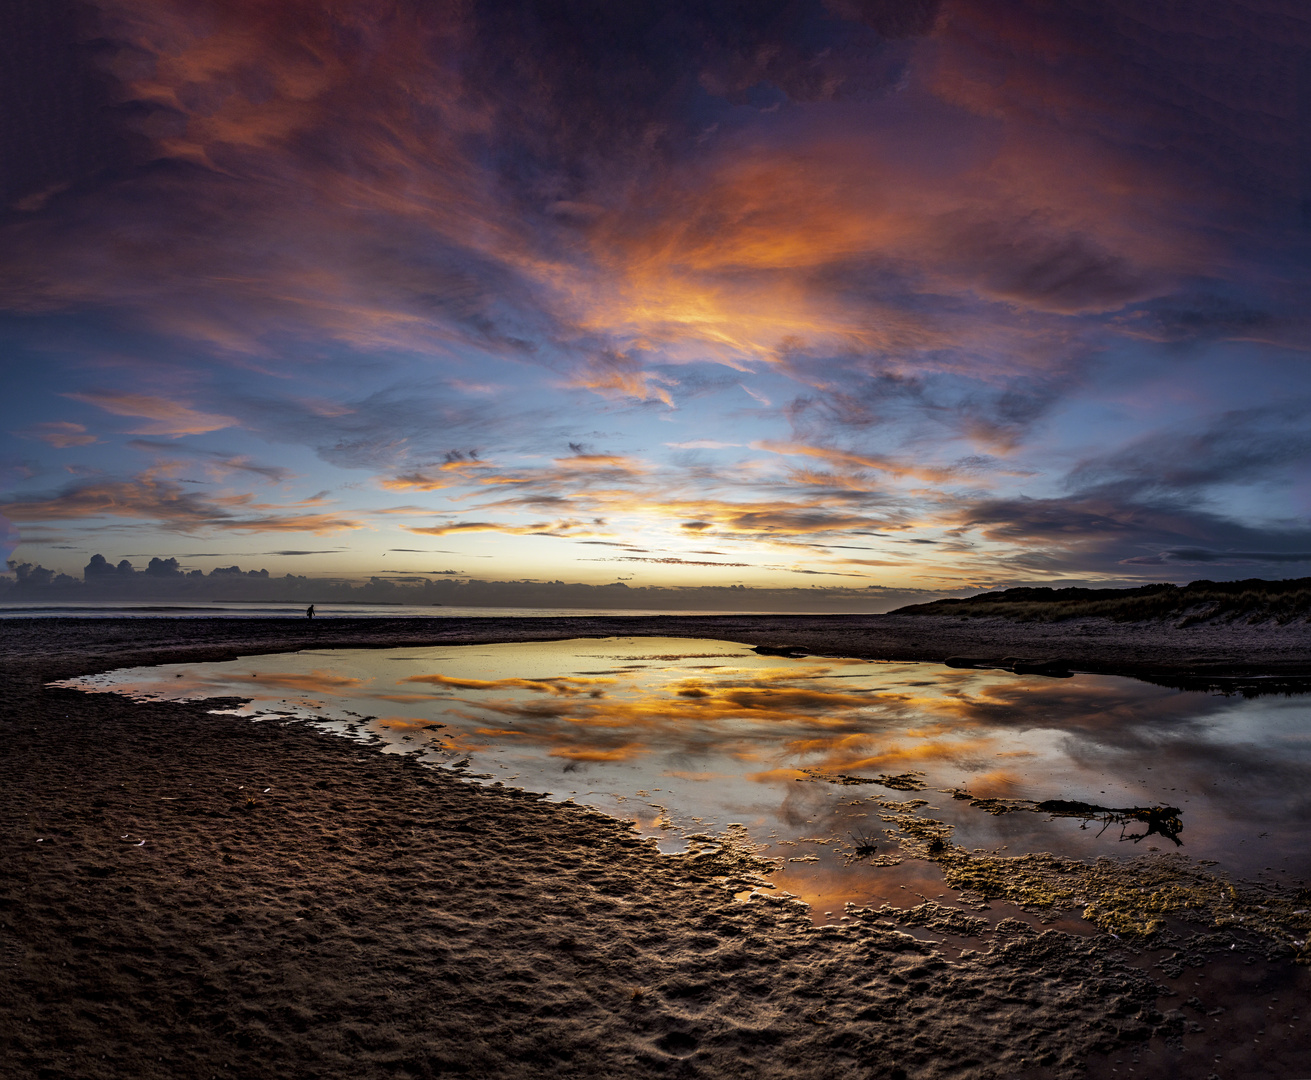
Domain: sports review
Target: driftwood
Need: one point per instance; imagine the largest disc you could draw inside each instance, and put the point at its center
(1160, 820)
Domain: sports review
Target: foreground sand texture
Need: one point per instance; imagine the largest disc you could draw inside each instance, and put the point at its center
(303, 906)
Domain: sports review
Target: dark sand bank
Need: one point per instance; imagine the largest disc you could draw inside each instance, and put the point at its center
(367, 917)
(1145, 649)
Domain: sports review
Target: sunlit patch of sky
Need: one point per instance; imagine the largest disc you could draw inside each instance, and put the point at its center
(913, 296)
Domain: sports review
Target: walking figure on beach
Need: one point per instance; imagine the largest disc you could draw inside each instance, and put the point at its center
(309, 612)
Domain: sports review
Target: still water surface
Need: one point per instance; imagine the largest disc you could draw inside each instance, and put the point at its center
(686, 736)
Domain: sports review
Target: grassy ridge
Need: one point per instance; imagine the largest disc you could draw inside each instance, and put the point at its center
(1253, 600)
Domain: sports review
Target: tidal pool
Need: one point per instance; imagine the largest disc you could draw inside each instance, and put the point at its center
(827, 764)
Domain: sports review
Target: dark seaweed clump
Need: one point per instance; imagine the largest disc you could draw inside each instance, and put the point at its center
(1253, 600)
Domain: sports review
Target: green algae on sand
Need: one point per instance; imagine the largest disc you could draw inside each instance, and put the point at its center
(1133, 897)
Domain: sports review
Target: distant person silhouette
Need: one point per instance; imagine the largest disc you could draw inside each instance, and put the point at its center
(309, 612)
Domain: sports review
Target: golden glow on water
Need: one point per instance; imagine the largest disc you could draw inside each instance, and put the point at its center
(685, 736)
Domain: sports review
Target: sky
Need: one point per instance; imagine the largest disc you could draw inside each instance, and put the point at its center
(902, 294)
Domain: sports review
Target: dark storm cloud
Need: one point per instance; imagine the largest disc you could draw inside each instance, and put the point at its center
(1202, 556)
(1044, 268)
(1208, 87)
(1106, 533)
(1240, 446)
(581, 83)
(1206, 317)
(58, 131)
(1153, 502)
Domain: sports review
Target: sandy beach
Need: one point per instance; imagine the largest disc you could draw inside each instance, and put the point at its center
(1147, 649)
(193, 895)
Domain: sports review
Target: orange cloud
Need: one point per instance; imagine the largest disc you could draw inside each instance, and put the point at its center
(436, 477)
(760, 519)
(623, 753)
(846, 757)
(769, 776)
(622, 377)
(566, 686)
(542, 528)
(316, 682)
(700, 777)
(998, 784)
(405, 723)
(601, 463)
(170, 417)
(171, 506)
(58, 433)
(849, 460)
(415, 481)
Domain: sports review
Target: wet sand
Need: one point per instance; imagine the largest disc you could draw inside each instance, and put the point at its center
(1149, 649)
(304, 906)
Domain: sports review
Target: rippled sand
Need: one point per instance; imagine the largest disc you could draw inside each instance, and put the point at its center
(259, 900)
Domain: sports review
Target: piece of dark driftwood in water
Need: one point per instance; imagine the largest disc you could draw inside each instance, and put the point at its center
(1160, 820)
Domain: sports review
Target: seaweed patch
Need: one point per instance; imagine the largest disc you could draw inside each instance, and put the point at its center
(907, 781)
(1128, 898)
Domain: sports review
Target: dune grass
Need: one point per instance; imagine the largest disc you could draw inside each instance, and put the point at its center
(1253, 600)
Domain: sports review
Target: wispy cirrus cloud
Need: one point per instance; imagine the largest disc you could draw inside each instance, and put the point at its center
(167, 417)
(216, 462)
(1204, 557)
(167, 505)
(623, 377)
(539, 528)
(58, 433)
(573, 473)
(850, 460)
(668, 560)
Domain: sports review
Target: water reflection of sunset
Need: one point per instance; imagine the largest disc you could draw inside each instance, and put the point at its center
(793, 749)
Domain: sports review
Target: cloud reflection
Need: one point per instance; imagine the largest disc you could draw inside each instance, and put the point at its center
(777, 741)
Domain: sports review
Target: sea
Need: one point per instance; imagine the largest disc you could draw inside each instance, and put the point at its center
(262, 609)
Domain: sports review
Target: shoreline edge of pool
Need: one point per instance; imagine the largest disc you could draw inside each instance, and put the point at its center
(162, 914)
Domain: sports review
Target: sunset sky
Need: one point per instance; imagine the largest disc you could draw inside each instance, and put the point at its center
(780, 293)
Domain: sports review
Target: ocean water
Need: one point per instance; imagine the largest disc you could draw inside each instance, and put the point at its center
(243, 609)
(689, 737)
